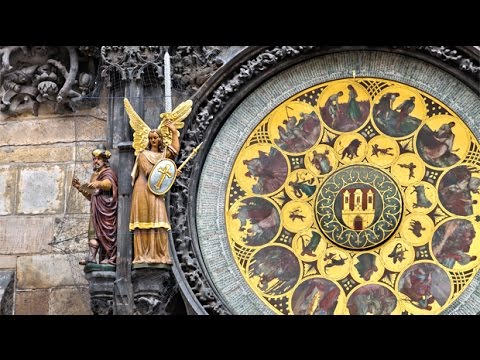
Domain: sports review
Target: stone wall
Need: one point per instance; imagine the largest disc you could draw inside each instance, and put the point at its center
(43, 219)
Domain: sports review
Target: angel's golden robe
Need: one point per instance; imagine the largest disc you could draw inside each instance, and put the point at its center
(148, 215)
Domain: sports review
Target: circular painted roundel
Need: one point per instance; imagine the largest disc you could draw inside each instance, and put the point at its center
(357, 196)
(358, 207)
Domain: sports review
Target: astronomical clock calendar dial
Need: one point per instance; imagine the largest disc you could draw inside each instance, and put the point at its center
(357, 196)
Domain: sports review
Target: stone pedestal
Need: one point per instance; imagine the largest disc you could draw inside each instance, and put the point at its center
(155, 290)
(100, 285)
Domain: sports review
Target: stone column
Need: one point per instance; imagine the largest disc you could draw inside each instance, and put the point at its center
(124, 68)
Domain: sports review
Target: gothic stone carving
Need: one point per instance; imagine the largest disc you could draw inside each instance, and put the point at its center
(100, 287)
(153, 289)
(193, 65)
(101, 306)
(35, 75)
(452, 56)
(130, 62)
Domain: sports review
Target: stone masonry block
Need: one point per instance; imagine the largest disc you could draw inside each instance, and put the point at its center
(37, 154)
(76, 202)
(31, 302)
(8, 262)
(7, 190)
(41, 190)
(45, 131)
(71, 234)
(26, 234)
(90, 129)
(69, 301)
(46, 271)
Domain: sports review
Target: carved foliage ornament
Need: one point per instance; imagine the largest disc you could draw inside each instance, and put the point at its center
(450, 55)
(33, 75)
(130, 61)
(191, 65)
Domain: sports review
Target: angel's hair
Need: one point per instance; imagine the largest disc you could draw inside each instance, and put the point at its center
(160, 143)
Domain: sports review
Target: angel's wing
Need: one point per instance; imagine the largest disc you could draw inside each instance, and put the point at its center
(140, 129)
(177, 116)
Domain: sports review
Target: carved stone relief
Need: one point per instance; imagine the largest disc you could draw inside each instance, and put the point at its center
(193, 65)
(130, 62)
(30, 76)
(153, 290)
(450, 55)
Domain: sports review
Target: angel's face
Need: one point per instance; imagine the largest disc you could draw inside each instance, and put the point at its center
(154, 140)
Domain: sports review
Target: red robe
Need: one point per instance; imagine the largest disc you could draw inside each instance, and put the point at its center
(103, 209)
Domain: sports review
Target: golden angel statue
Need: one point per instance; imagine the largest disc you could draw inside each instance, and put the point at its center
(148, 216)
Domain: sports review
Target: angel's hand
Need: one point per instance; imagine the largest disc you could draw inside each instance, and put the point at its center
(171, 125)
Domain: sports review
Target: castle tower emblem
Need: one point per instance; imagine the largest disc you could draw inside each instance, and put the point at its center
(358, 207)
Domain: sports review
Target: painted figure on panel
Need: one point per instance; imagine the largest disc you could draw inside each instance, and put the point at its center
(425, 284)
(277, 270)
(333, 107)
(456, 189)
(354, 112)
(422, 199)
(102, 193)
(398, 253)
(436, 146)
(148, 216)
(372, 299)
(303, 185)
(452, 241)
(384, 107)
(366, 265)
(259, 221)
(269, 170)
(298, 135)
(315, 297)
(347, 114)
(416, 228)
(395, 120)
(321, 161)
(376, 150)
(310, 243)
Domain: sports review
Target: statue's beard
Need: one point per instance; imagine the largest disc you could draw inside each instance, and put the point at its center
(97, 167)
